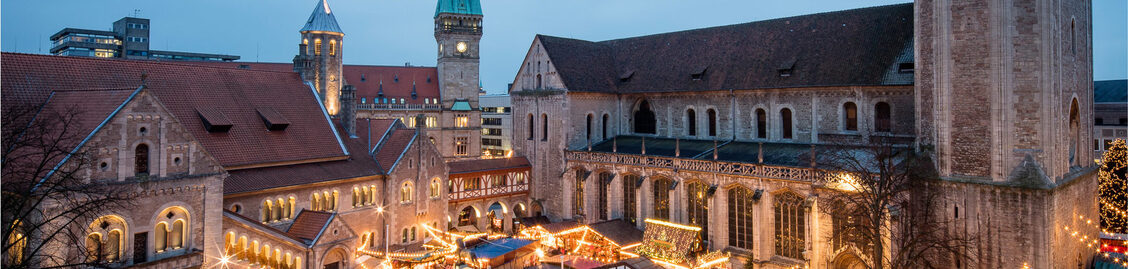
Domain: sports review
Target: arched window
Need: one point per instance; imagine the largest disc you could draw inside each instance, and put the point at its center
(691, 123)
(740, 207)
(433, 188)
(332, 47)
(605, 181)
(404, 236)
(1075, 134)
(176, 234)
(786, 123)
(358, 200)
(644, 118)
(468, 216)
(333, 202)
(697, 207)
(661, 188)
(538, 81)
(371, 194)
(850, 117)
(413, 233)
(315, 201)
(141, 160)
(288, 208)
(105, 239)
(266, 210)
(839, 225)
(789, 223)
(588, 127)
(170, 231)
(530, 127)
(604, 128)
(882, 117)
(279, 207)
(762, 124)
(317, 46)
(712, 117)
(241, 248)
(17, 243)
(94, 248)
(629, 189)
(544, 127)
(406, 192)
(578, 193)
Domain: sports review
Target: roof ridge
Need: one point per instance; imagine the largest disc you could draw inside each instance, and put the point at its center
(150, 62)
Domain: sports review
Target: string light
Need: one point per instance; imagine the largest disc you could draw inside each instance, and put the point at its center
(1112, 187)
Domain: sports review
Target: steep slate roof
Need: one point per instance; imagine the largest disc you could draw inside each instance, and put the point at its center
(852, 47)
(370, 80)
(1111, 91)
(308, 225)
(182, 89)
(489, 165)
(619, 231)
(467, 7)
(322, 19)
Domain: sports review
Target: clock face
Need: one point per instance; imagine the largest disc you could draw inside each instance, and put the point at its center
(461, 47)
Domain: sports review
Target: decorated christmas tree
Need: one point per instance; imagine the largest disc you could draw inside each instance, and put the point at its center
(1111, 188)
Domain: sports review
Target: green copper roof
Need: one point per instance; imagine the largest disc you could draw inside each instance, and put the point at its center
(461, 106)
(468, 7)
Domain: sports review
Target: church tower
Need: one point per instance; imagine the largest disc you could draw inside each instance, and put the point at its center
(1004, 106)
(458, 29)
(319, 56)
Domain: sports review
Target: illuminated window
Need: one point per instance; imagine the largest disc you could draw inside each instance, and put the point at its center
(698, 207)
(317, 46)
(740, 205)
(850, 117)
(629, 182)
(171, 226)
(578, 193)
(105, 240)
(332, 47)
(433, 188)
(461, 146)
(406, 192)
(431, 122)
(789, 225)
(461, 120)
(661, 198)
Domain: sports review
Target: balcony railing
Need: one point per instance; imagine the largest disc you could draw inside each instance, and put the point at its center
(399, 107)
(711, 166)
(483, 193)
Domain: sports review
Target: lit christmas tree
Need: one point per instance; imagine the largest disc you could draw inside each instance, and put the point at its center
(1112, 188)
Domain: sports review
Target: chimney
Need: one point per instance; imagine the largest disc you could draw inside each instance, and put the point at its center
(349, 110)
(300, 60)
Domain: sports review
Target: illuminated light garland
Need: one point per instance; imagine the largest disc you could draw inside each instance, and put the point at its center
(1112, 187)
(674, 225)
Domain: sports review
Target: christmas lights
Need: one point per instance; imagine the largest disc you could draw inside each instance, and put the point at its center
(1112, 188)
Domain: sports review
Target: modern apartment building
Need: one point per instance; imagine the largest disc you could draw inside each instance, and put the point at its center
(1110, 104)
(129, 39)
(497, 125)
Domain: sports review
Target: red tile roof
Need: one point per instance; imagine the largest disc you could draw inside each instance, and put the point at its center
(259, 225)
(393, 146)
(182, 88)
(396, 80)
(309, 224)
(501, 165)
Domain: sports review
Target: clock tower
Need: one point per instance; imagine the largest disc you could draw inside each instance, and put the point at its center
(458, 29)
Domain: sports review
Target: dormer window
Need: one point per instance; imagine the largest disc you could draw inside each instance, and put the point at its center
(214, 121)
(698, 73)
(786, 68)
(905, 68)
(626, 76)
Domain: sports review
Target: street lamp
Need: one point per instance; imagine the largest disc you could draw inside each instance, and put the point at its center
(384, 219)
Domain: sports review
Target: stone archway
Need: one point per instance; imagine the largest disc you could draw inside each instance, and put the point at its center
(335, 259)
(847, 260)
(496, 217)
(468, 216)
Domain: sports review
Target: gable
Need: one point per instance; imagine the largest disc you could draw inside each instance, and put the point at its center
(538, 62)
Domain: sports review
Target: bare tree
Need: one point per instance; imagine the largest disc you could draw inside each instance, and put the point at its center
(885, 206)
(47, 207)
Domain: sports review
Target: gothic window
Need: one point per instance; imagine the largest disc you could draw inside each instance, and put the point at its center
(839, 225)
(530, 127)
(461, 146)
(578, 193)
(882, 117)
(850, 117)
(691, 123)
(661, 198)
(544, 127)
(629, 182)
(170, 230)
(712, 117)
(644, 119)
(1075, 135)
(317, 46)
(588, 128)
(141, 160)
(740, 205)
(697, 207)
(790, 224)
(406, 192)
(762, 124)
(538, 81)
(605, 181)
(604, 129)
(786, 123)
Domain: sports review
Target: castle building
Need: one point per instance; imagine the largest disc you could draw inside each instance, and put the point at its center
(721, 127)
(128, 39)
(313, 164)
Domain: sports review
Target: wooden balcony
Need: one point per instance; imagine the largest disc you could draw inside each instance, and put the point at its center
(484, 193)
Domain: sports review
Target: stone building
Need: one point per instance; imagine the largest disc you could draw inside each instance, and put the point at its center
(719, 127)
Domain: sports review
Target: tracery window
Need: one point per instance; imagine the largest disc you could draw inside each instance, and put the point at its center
(790, 225)
(697, 207)
(661, 198)
(605, 181)
(461, 145)
(629, 202)
(740, 205)
(850, 117)
(578, 193)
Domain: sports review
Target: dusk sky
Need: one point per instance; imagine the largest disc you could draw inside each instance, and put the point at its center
(394, 32)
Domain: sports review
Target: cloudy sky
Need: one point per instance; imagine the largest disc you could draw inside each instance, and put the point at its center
(395, 32)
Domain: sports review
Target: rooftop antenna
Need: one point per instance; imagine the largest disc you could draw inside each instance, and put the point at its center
(136, 13)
